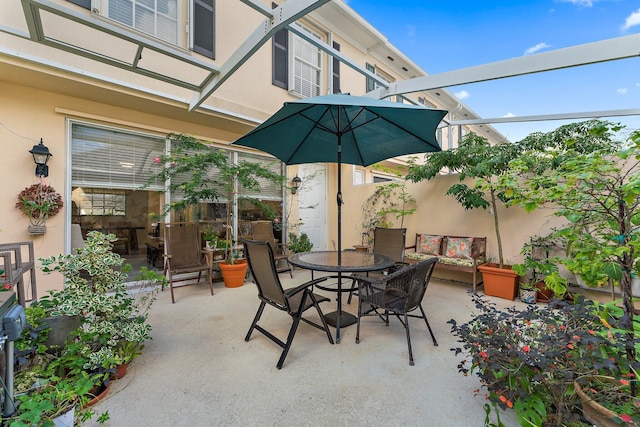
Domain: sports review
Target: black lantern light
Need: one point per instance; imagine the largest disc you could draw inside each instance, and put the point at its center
(41, 155)
(295, 184)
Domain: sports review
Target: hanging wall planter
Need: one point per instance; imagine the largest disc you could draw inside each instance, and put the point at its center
(39, 202)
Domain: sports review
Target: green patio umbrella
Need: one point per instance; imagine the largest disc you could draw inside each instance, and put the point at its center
(345, 129)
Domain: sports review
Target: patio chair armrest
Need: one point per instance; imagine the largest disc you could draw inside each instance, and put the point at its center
(290, 292)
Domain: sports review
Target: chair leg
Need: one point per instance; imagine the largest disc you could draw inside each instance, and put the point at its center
(353, 289)
(167, 268)
(292, 332)
(406, 327)
(324, 321)
(424, 316)
(255, 320)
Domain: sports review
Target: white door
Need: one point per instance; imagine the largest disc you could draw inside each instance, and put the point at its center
(313, 204)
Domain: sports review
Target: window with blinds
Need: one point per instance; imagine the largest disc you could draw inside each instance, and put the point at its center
(268, 190)
(307, 66)
(108, 158)
(158, 18)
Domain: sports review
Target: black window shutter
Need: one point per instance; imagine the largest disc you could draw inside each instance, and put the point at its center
(281, 59)
(371, 84)
(204, 20)
(82, 3)
(336, 70)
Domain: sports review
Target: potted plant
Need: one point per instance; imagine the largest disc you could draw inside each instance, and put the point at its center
(477, 159)
(96, 291)
(528, 360)
(299, 243)
(596, 192)
(39, 202)
(211, 176)
(538, 272)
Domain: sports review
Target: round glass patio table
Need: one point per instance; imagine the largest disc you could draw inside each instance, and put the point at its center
(340, 262)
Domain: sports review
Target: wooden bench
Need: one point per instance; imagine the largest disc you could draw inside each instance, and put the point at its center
(457, 253)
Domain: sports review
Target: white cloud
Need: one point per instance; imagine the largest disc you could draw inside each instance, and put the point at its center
(463, 94)
(638, 84)
(411, 30)
(632, 20)
(509, 114)
(536, 48)
(584, 3)
(622, 91)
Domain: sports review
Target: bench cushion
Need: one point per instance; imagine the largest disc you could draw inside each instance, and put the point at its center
(429, 244)
(458, 247)
(418, 256)
(461, 262)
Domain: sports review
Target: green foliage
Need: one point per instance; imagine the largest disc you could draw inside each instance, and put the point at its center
(538, 265)
(598, 194)
(299, 243)
(388, 200)
(528, 360)
(96, 289)
(200, 173)
(474, 158)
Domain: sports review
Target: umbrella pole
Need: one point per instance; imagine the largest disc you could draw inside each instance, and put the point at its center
(339, 201)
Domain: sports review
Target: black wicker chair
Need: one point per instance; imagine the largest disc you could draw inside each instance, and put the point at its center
(398, 293)
(294, 301)
(390, 242)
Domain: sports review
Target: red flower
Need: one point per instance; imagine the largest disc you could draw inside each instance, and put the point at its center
(570, 345)
(509, 404)
(626, 418)
(624, 382)
(483, 354)
(503, 399)
(156, 159)
(6, 286)
(526, 348)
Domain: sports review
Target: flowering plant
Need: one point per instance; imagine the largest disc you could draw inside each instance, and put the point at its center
(528, 360)
(39, 202)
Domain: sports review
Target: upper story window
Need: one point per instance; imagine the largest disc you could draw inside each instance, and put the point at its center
(297, 64)
(158, 18)
(307, 66)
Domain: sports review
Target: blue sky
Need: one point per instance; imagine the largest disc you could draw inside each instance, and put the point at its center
(444, 36)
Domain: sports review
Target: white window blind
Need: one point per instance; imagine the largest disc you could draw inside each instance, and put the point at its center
(108, 158)
(156, 17)
(307, 66)
(268, 190)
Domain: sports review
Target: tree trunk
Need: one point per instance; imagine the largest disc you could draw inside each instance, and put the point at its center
(497, 226)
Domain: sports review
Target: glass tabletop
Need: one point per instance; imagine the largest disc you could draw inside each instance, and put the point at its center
(350, 261)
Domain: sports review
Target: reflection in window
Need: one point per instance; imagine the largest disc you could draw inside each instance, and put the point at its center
(99, 201)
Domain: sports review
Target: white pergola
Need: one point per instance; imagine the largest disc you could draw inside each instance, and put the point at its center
(126, 50)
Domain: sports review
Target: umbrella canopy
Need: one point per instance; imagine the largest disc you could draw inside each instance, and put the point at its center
(369, 130)
(345, 129)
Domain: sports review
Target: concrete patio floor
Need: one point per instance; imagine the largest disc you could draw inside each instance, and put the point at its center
(199, 371)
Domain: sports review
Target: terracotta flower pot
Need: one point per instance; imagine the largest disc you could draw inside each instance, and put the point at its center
(233, 274)
(499, 282)
(595, 412)
(121, 371)
(99, 394)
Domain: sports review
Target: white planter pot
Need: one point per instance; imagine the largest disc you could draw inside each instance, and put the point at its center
(66, 419)
(635, 287)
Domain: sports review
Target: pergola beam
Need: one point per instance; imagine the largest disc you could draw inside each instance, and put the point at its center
(281, 16)
(589, 53)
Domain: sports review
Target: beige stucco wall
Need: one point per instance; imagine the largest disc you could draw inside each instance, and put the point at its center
(437, 213)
